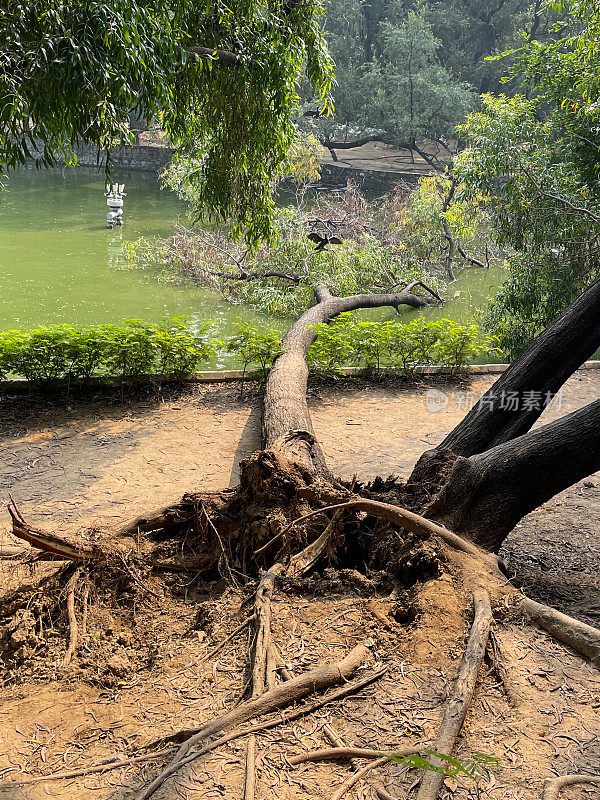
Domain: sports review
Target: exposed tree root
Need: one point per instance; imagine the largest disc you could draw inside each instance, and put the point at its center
(335, 740)
(462, 693)
(338, 753)
(250, 781)
(499, 661)
(282, 696)
(401, 517)
(554, 786)
(303, 562)
(263, 663)
(332, 697)
(583, 638)
(48, 542)
(263, 651)
(73, 630)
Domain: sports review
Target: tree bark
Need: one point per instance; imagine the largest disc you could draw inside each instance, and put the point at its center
(538, 373)
(487, 494)
(287, 425)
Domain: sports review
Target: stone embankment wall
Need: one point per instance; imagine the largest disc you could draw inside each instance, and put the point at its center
(140, 158)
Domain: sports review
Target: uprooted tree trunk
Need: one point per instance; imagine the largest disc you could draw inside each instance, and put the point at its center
(483, 478)
(286, 419)
(289, 510)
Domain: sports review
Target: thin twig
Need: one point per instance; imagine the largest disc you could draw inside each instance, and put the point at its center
(356, 777)
(85, 603)
(231, 636)
(232, 577)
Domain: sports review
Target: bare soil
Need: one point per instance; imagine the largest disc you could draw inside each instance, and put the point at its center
(379, 157)
(140, 672)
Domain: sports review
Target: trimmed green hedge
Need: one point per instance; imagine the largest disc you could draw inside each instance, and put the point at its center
(127, 352)
(170, 349)
(397, 347)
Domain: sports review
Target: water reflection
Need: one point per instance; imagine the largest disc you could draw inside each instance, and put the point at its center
(115, 252)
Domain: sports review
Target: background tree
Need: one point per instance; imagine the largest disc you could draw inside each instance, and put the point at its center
(385, 49)
(474, 30)
(536, 161)
(221, 78)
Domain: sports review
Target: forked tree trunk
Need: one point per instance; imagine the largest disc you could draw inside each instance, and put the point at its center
(287, 424)
(486, 495)
(532, 380)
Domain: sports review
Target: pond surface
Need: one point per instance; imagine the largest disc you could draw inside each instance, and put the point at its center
(61, 264)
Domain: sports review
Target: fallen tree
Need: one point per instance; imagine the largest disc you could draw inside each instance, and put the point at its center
(460, 503)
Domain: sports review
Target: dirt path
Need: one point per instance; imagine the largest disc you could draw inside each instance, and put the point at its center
(140, 673)
(72, 466)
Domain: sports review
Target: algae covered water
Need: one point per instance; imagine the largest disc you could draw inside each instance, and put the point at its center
(61, 264)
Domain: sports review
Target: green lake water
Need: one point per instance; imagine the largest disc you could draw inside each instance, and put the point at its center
(61, 264)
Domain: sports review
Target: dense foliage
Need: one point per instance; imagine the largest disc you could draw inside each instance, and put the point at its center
(384, 244)
(535, 157)
(409, 71)
(222, 78)
(129, 352)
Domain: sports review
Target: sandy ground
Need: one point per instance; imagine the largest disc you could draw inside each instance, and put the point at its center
(380, 157)
(75, 464)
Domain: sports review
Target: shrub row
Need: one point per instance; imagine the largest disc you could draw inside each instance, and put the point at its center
(127, 352)
(377, 346)
(396, 346)
(171, 349)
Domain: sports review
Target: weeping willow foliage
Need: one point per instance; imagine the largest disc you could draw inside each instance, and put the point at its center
(220, 76)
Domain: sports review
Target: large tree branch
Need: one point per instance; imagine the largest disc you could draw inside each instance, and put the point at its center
(215, 54)
(359, 143)
(257, 275)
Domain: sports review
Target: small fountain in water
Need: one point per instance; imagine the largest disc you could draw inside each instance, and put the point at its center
(114, 200)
